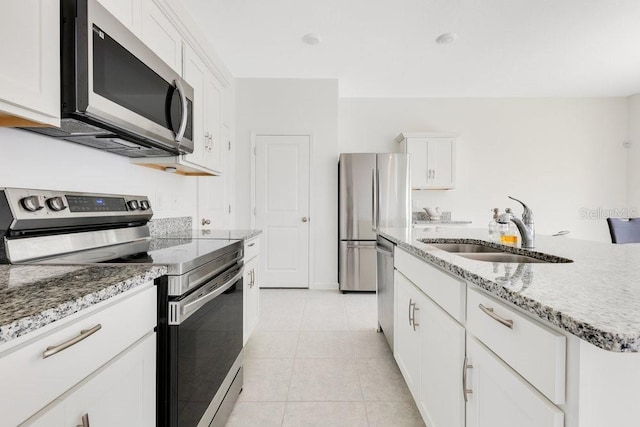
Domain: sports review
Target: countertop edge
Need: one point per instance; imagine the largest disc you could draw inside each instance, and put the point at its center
(605, 340)
(26, 325)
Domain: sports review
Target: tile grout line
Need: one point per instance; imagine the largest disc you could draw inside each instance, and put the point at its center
(293, 361)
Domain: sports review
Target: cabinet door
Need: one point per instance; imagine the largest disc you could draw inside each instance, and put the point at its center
(499, 397)
(30, 52)
(159, 33)
(407, 330)
(126, 11)
(440, 167)
(417, 148)
(443, 350)
(213, 122)
(121, 393)
(252, 295)
(196, 74)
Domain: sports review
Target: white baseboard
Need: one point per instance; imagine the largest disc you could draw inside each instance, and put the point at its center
(326, 285)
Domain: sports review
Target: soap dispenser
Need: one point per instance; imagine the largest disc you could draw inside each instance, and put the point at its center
(508, 231)
(494, 227)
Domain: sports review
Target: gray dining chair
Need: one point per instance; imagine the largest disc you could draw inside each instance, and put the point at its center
(624, 230)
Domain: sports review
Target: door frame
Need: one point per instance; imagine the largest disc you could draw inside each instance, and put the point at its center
(253, 152)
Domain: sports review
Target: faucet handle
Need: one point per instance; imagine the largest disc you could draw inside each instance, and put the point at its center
(527, 215)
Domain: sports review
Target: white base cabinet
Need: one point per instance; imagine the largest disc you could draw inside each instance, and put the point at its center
(251, 286)
(499, 397)
(121, 393)
(429, 347)
(110, 363)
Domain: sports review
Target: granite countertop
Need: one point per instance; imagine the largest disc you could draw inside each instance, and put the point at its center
(34, 296)
(211, 234)
(596, 297)
(439, 221)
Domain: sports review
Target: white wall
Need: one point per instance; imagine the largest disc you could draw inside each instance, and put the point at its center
(35, 161)
(563, 157)
(633, 166)
(294, 105)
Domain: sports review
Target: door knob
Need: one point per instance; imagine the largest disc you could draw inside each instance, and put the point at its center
(205, 221)
(305, 219)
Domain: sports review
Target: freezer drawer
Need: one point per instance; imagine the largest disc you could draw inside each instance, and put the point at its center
(357, 265)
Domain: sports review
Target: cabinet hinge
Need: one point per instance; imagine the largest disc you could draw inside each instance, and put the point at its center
(255, 212)
(229, 208)
(229, 145)
(254, 150)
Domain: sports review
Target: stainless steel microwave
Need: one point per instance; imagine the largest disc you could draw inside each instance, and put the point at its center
(117, 94)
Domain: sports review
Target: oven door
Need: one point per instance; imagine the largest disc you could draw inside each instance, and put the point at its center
(203, 348)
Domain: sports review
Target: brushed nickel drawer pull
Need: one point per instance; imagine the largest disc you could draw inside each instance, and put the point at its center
(489, 311)
(465, 390)
(85, 333)
(251, 244)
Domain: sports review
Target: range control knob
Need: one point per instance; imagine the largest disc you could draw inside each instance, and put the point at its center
(57, 203)
(32, 203)
(133, 205)
(144, 205)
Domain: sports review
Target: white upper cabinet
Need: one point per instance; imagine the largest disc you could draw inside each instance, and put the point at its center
(126, 11)
(30, 71)
(207, 118)
(432, 160)
(159, 33)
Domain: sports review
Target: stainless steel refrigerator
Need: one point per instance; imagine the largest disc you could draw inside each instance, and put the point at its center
(374, 192)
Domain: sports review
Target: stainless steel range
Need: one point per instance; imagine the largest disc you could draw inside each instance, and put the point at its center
(199, 301)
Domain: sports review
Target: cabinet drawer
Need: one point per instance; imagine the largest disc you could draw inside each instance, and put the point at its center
(447, 291)
(30, 381)
(536, 352)
(251, 248)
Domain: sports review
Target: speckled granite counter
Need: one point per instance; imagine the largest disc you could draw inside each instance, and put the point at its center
(427, 222)
(34, 296)
(212, 234)
(596, 297)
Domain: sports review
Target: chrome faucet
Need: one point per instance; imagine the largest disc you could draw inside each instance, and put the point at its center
(525, 227)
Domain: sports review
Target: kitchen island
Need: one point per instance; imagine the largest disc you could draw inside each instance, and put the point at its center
(566, 333)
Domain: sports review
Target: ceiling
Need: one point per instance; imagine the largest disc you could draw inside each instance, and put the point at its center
(387, 48)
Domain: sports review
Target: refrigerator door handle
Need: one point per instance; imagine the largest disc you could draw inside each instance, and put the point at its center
(374, 199)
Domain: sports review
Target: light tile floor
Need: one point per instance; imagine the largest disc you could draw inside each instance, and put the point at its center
(316, 359)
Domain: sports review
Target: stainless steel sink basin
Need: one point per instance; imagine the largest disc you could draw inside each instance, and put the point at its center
(465, 248)
(482, 252)
(502, 257)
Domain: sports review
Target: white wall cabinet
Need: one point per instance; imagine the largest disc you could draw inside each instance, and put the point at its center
(499, 397)
(429, 347)
(30, 71)
(432, 160)
(161, 35)
(207, 119)
(126, 11)
(251, 286)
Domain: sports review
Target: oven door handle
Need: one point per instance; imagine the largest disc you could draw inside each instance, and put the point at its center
(187, 309)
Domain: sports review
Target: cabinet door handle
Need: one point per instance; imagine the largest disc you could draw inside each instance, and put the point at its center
(414, 316)
(489, 311)
(85, 421)
(251, 244)
(409, 311)
(85, 333)
(465, 390)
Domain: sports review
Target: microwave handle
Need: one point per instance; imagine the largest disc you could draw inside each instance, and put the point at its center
(183, 101)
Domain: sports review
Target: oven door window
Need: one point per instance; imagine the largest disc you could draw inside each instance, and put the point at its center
(207, 345)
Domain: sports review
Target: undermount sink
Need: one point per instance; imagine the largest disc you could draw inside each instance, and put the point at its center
(502, 257)
(483, 252)
(466, 248)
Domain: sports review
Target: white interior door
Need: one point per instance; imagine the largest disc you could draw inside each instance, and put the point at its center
(282, 208)
(214, 206)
